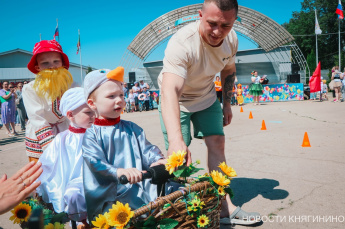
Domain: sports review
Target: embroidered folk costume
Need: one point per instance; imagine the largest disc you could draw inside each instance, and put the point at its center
(45, 118)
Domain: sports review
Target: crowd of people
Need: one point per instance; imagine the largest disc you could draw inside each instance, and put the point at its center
(255, 89)
(336, 86)
(139, 97)
(12, 107)
(76, 140)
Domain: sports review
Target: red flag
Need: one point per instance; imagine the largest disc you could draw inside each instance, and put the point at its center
(315, 80)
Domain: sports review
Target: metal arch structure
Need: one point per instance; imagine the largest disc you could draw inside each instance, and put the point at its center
(253, 25)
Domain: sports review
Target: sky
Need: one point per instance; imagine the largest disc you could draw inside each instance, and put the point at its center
(106, 27)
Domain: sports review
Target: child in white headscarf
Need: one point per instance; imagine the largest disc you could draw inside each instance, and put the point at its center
(62, 177)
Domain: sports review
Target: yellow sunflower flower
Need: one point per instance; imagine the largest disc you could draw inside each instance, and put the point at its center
(21, 213)
(101, 222)
(195, 204)
(202, 221)
(219, 178)
(119, 215)
(56, 225)
(175, 160)
(221, 191)
(227, 170)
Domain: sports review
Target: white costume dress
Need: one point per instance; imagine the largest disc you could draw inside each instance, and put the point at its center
(62, 178)
(45, 121)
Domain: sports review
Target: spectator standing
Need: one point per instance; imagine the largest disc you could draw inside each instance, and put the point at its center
(256, 88)
(142, 85)
(132, 100)
(324, 89)
(218, 86)
(337, 77)
(136, 90)
(20, 106)
(8, 107)
(147, 98)
(125, 89)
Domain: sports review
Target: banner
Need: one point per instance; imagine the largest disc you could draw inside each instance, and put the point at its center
(277, 93)
(187, 18)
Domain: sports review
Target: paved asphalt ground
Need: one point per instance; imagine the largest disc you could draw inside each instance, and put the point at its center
(289, 185)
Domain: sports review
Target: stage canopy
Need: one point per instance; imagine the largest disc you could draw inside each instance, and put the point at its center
(264, 32)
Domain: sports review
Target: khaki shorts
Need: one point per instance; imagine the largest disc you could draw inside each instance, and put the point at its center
(207, 122)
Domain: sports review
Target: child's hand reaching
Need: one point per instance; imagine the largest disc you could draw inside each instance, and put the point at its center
(133, 174)
(159, 162)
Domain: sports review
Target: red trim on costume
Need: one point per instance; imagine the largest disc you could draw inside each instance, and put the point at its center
(76, 130)
(107, 122)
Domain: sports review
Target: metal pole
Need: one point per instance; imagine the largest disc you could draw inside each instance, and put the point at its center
(339, 45)
(317, 52)
(81, 66)
(57, 24)
(40, 37)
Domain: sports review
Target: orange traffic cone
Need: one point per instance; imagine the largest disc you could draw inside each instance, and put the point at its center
(250, 115)
(241, 109)
(263, 125)
(306, 142)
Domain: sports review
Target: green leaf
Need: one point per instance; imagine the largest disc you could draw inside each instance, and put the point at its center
(168, 223)
(58, 218)
(195, 170)
(181, 169)
(229, 191)
(150, 222)
(205, 179)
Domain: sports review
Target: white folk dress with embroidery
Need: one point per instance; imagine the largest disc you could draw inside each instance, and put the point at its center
(45, 121)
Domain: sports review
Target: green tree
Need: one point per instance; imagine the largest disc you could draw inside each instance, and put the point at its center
(311, 60)
(89, 69)
(303, 23)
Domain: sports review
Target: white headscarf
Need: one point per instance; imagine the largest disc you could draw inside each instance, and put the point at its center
(71, 100)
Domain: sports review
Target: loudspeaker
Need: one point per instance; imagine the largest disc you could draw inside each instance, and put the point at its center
(294, 68)
(293, 78)
(131, 76)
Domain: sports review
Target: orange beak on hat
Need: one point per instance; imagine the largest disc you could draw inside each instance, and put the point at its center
(116, 74)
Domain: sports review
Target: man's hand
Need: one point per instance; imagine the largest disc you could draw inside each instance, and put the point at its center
(171, 91)
(227, 112)
(133, 174)
(176, 146)
(159, 162)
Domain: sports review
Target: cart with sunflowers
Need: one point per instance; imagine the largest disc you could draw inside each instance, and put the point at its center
(195, 205)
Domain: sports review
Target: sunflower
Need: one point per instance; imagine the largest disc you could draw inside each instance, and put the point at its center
(195, 204)
(175, 160)
(221, 191)
(227, 170)
(219, 178)
(119, 215)
(101, 222)
(202, 221)
(21, 213)
(56, 225)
